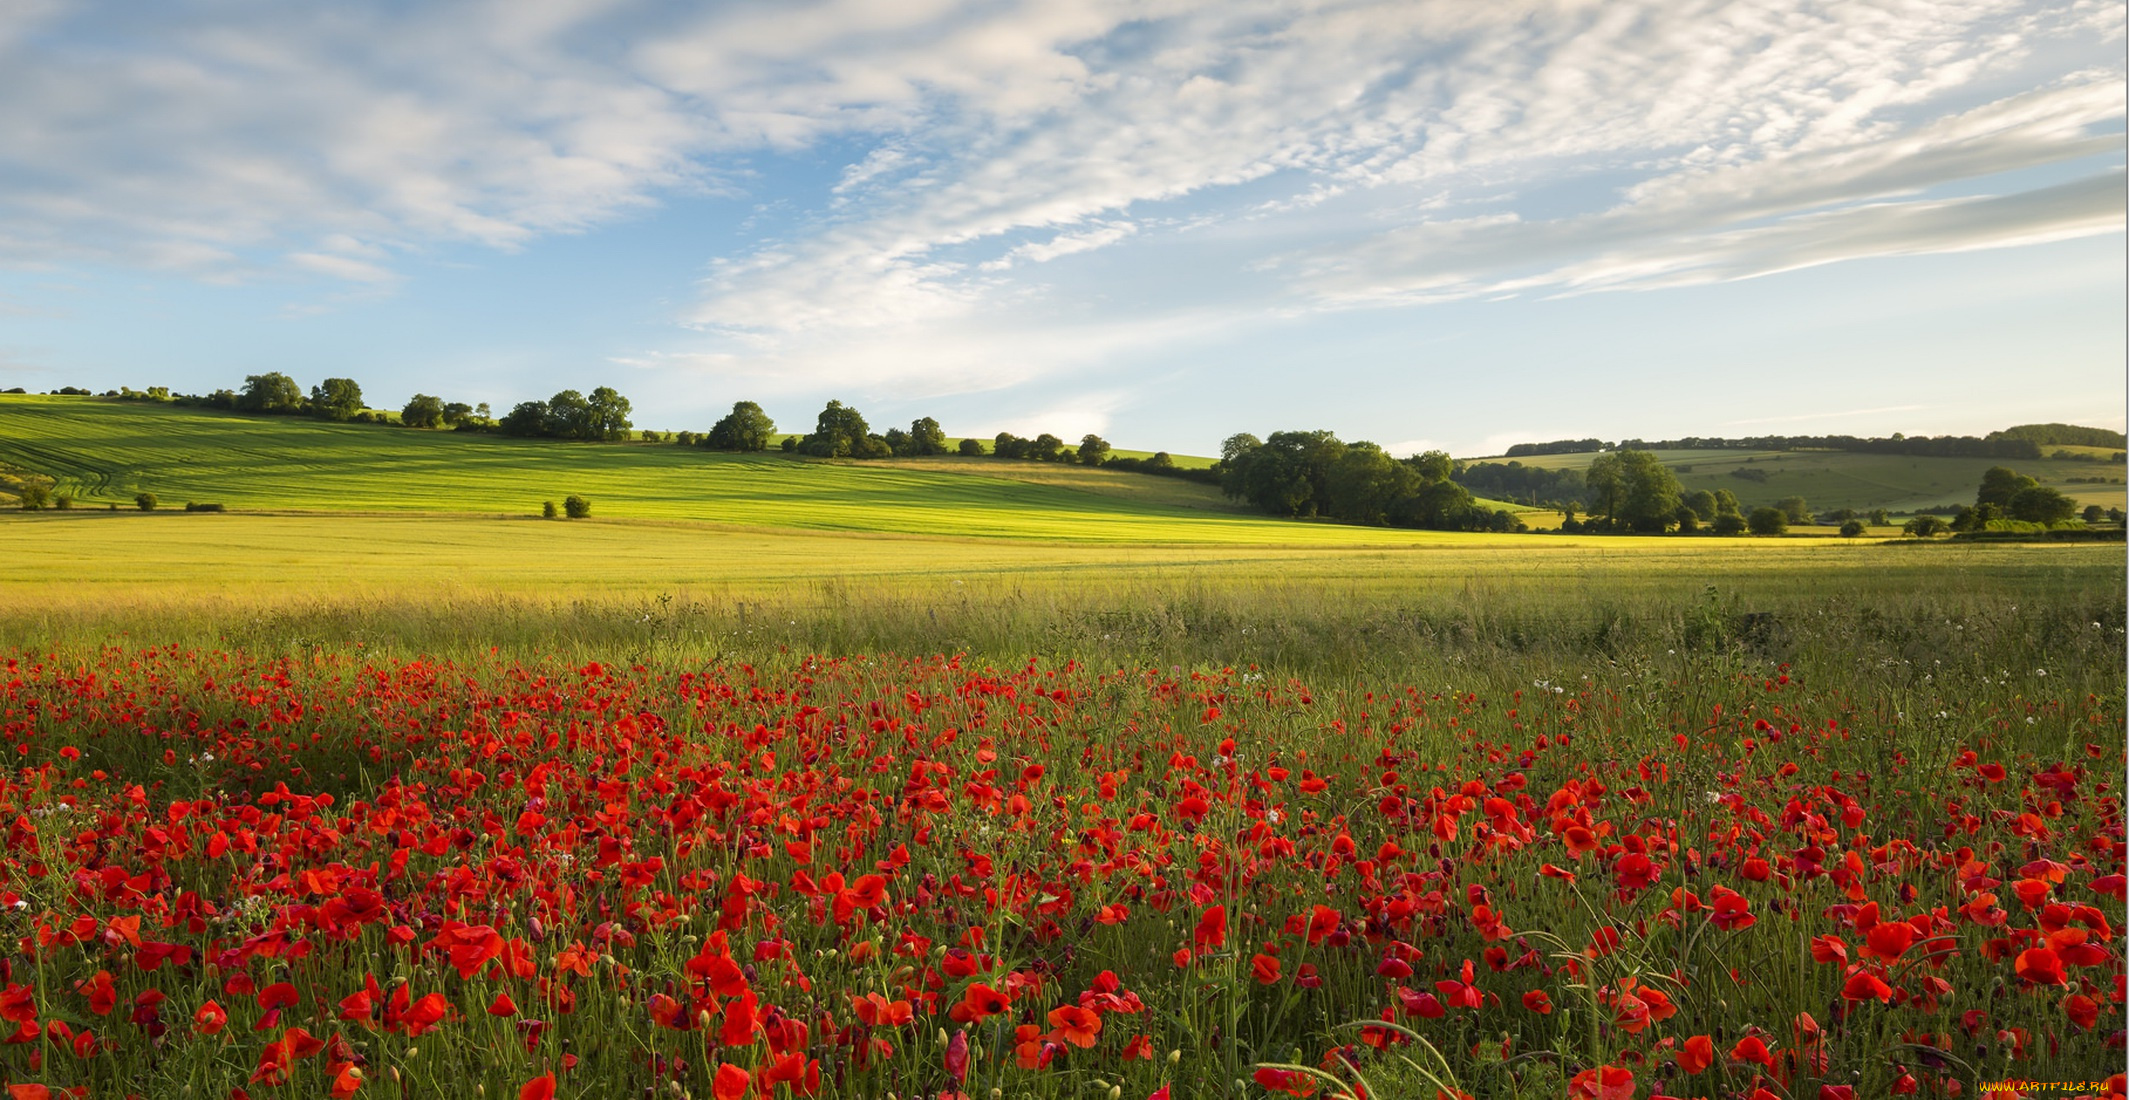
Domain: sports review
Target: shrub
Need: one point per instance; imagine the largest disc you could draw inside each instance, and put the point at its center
(1924, 526)
(34, 497)
(1728, 524)
(204, 506)
(971, 447)
(1768, 521)
(64, 502)
(576, 507)
(548, 510)
(144, 501)
(1852, 529)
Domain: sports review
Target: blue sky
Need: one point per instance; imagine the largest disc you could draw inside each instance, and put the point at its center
(1432, 224)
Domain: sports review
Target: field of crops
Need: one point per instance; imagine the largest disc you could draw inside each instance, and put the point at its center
(1052, 795)
(105, 452)
(1839, 854)
(1837, 479)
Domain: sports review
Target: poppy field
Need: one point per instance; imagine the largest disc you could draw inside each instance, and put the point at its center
(238, 873)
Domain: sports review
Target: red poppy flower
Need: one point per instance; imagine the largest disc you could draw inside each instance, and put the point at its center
(1696, 1054)
(1602, 1083)
(1211, 932)
(1752, 1049)
(2040, 966)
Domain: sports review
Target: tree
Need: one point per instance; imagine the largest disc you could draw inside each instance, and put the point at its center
(1045, 447)
(456, 413)
(336, 399)
(568, 416)
(1633, 489)
(898, 443)
(606, 415)
(575, 507)
(745, 429)
(926, 437)
(1728, 524)
(34, 496)
(1879, 517)
(423, 411)
(1999, 484)
(528, 419)
(1438, 505)
(839, 432)
(1093, 450)
(2041, 504)
(1794, 508)
(1432, 465)
(1852, 529)
(971, 447)
(1702, 502)
(272, 392)
(1008, 445)
(1365, 483)
(1726, 503)
(1768, 521)
(2094, 513)
(549, 511)
(1287, 474)
(144, 501)
(1238, 445)
(1924, 526)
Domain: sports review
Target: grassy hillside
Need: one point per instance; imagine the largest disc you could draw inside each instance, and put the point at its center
(104, 452)
(1840, 479)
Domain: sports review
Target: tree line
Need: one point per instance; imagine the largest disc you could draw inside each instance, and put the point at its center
(1315, 474)
(1995, 445)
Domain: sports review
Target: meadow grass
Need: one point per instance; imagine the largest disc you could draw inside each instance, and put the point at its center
(1840, 479)
(420, 582)
(105, 452)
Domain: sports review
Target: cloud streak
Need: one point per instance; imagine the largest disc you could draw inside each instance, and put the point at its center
(1038, 186)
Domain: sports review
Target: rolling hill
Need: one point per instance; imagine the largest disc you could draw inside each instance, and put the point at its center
(103, 452)
(1829, 480)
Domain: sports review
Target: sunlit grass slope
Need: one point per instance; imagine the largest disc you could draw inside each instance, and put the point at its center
(441, 580)
(105, 452)
(1839, 479)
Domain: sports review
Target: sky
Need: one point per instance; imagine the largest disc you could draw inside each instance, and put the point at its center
(1452, 223)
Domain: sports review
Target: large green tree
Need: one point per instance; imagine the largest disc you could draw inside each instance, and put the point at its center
(606, 415)
(569, 416)
(1093, 450)
(336, 399)
(1633, 489)
(746, 428)
(926, 437)
(1287, 474)
(838, 432)
(1364, 484)
(2041, 504)
(423, 411)
(272, 392)
(1999, 484)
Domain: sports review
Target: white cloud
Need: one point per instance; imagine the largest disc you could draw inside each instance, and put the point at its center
(1253, 157)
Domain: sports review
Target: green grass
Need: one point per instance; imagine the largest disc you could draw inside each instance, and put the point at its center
(104, 452)
(1838, 479)
(430, 581)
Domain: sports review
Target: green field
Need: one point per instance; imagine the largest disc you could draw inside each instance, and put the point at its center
(104, 452)
(1839, 479)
